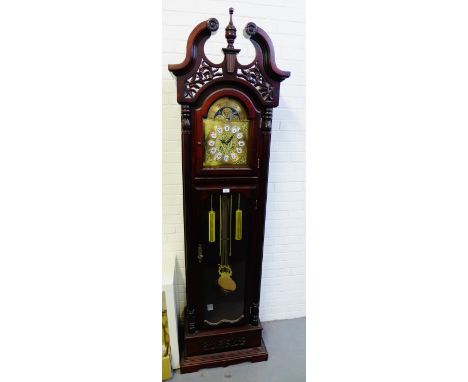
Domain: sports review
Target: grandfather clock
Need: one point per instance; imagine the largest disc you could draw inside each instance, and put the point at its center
(226, 127)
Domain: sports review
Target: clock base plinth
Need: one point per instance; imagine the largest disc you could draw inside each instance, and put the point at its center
(190, 364)
(207, 341)
(222, 347)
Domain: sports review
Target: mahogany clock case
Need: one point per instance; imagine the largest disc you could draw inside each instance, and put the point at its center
(223, 268)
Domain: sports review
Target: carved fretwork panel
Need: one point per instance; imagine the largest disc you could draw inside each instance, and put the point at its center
(202, 76)
(255, 77)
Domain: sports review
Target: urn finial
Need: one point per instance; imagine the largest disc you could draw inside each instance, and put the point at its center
(230, 30)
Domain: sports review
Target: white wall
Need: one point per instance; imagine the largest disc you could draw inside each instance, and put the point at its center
(283, 284)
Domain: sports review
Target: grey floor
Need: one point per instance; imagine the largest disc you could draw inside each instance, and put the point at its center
(285, 341)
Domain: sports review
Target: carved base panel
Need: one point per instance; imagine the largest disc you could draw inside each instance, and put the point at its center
(189, 364)
(222, 339)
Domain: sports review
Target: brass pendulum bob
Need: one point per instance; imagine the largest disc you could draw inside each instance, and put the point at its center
(226, 283)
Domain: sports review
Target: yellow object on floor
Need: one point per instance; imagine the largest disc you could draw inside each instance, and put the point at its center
(166, 350)
(166, 368)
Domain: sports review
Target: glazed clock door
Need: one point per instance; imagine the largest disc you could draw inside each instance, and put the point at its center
(224, 251)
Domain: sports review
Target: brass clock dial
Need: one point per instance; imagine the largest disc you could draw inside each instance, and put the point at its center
(225, 132)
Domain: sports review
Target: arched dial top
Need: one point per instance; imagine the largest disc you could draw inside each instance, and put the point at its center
(197, 74)
(225, 134)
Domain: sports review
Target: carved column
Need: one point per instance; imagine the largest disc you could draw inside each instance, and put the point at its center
(185, 118)
(191, 319)
(186, 127)
(267, 117)
(254, 313)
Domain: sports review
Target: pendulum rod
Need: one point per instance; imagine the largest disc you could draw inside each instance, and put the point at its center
(230, 224)
(220, 232)
(225, 280)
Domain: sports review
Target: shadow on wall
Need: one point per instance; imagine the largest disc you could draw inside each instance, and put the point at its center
(180, 290)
